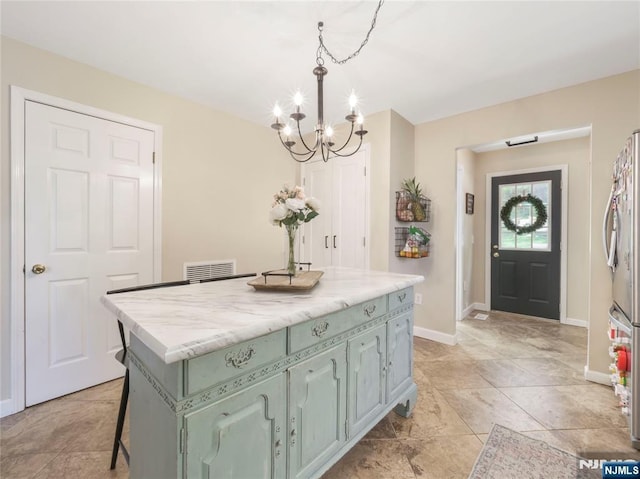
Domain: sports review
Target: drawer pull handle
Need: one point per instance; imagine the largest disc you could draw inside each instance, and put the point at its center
(402, 297)
(240, 358)
(320, 329)
(369, 310)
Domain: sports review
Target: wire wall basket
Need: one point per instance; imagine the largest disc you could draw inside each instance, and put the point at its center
(408, 245)
(408, 210)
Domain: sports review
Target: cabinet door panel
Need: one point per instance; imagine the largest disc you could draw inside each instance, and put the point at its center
(318, 233)
(349, 212)
(317, 414)
(400, 355)
(239, 437)
(367, 374)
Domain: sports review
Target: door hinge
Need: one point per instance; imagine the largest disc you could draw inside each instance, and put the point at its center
(24, 269)
(304, 181)
(364, 241)
(153, 158)
(365, 171)
(182, 439)
(302, 241)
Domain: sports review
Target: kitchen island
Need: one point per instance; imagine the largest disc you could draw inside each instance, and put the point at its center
(230, 382)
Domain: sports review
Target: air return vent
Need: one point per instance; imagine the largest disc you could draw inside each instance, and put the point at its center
(209, 269)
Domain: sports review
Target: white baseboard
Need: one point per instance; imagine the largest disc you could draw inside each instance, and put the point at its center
(467, 310)
(7, 407)
(597, 377)
(481, 307)
(437, 336)
(576, 322)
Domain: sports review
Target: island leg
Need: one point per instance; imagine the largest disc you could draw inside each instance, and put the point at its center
(405, 408)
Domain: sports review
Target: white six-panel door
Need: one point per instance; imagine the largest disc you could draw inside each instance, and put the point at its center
(89, 223)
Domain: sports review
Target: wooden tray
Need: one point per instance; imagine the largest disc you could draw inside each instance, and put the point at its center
(303, 280)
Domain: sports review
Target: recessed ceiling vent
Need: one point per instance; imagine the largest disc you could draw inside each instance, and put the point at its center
(209, 269)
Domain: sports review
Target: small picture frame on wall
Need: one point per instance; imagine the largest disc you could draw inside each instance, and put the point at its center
(469, 204)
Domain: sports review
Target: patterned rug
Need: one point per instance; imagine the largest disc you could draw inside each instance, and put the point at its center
(508, 454)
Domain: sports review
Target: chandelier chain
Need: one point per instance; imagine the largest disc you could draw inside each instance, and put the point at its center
(323, 47)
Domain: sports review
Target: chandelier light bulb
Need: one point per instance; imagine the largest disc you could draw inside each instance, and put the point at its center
(328, 131)
(297, 98)
(277, 111)
(353, 100)
(360, 119)
(287, 130)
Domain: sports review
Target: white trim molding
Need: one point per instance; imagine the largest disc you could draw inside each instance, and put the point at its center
(597, 377)
(582, 323)
(19, 97)
(450, 339)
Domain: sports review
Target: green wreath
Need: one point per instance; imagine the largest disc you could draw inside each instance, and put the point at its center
(541, 214)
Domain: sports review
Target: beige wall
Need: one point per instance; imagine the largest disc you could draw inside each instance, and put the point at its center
(611, 106)
(467, 167)
(401, 167)
(576, 155)
(217, 185)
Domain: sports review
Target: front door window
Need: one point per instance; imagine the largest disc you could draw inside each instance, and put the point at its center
(524, 214)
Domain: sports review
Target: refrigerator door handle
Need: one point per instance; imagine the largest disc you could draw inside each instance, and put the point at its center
(618, 318)
(605, 223)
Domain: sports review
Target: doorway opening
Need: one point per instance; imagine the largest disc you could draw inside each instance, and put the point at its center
(476, 167)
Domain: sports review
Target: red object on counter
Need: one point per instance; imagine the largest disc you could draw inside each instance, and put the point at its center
(622, 361)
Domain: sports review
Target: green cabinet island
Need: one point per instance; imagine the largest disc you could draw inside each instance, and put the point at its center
(232, 383)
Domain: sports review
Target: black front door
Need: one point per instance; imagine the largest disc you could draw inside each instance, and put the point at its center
(525, 267)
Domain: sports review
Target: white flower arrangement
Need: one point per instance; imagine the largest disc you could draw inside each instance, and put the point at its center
(292, 208)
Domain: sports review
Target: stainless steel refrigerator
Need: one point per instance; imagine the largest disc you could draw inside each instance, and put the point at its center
(621, 241)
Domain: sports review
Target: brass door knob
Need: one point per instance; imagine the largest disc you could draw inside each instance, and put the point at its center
(38, 268)
(496, 254)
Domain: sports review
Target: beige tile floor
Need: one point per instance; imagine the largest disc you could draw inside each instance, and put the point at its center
(523, 373)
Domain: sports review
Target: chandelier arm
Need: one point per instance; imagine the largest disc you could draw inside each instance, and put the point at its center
(324, 149)
(345, 143)
(315, 146)
(290, 150)
(303, 160)
(336, 152)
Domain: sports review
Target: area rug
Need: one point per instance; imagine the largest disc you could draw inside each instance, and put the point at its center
(508, 454)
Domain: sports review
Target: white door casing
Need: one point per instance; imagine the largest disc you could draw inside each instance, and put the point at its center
(91, 216)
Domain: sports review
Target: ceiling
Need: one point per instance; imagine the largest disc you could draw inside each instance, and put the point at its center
(425, 59)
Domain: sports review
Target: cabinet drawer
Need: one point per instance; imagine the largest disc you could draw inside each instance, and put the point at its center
(217, 366)
(400, 298)
(310, 332)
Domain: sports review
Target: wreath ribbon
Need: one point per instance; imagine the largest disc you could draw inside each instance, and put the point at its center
(538, 205)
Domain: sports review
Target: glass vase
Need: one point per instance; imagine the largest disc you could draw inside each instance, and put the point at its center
(291, 263)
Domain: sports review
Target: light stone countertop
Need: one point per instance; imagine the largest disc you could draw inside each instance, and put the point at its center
(182, 322)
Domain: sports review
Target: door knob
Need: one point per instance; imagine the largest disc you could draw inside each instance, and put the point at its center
(38, 268)
(496, 254)
(495, 246)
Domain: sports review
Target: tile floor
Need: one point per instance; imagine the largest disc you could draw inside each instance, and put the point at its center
(523, 373)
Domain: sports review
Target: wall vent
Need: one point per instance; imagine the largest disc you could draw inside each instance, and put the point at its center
(209, 269)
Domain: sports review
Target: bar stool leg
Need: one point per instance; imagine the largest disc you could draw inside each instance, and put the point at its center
(119, 425)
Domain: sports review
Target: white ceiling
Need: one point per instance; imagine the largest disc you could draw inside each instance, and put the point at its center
(425, 59)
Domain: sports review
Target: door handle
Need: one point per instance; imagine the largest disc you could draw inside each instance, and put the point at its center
(496, 254)
(495, 246)
(325, 242)
(38, 268)
(334, 241)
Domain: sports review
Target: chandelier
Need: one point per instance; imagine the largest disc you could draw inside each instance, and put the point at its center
(324, 133)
